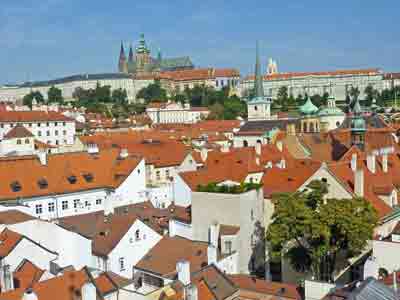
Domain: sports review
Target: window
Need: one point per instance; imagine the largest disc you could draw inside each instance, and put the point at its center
(98, 201)
(11, 125)
(38, 124)
(56, 132)
(55, 124)
(39, 133)
(72, 179)
(2, 125)
(64, 205)
(30, 124)
(252, 214)
(42, 183)
(121, 263)
(87, 203)
(255, 107)
(57, 142)
(64, 132)
(47, 124)
(167, 173)
(19, 142)
(76, 203)
(228, 247)
(39, 209)
(27, 141)
(137, 235)
(158, 175)
(51, 207)
(15, 186)
(64, 123)
(48, 132)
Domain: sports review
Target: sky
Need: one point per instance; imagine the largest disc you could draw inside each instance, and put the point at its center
(47, 39)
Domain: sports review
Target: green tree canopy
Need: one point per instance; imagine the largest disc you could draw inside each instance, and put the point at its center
(34, 95)
(311, 231)
(54, 95)
(119, 96)
(153, 92)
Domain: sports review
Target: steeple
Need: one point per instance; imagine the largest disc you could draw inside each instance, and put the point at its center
(258, 82)
(122, 65)
(130, 57)
(358, 126)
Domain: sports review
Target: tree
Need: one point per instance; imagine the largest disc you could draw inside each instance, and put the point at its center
(310, 231)
(119, 96)
(370, 94)
(34, 95)
(283, 98)
(54, 95)
(102, 93)
(216, 112)
(153, 92)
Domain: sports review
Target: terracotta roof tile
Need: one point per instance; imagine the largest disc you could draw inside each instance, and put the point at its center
(251, 284)
(109, 282)
(8, 240)
(32, 116)
(163, 257)
(21, 175)
(14, 216)
(27, 274)
(18, 132)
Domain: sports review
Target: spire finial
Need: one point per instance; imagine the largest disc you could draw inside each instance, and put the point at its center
(258, 82)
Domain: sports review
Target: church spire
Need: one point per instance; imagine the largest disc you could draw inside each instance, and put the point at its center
(122, 66)
(130, 57)
(258, 82)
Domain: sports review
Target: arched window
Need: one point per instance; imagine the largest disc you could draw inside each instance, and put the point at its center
(255, 107)
(259, 142)
(337, 124)
(245, 143)
(137, 235)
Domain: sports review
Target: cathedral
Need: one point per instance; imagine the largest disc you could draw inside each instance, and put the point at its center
(141, 62)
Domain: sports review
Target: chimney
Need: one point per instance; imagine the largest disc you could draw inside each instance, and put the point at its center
(183, 269)
(371, 163)
(258, 148)
(354, 162)
(385, 163)
(203, 154)
(283, 164)
(279, 145)
(211, 254)
(42, 154)
(359, 183)
(124, 153)
(88, 291)
(191, 292)
(225, 148)
(213, 234)
(92, 149)
(29, 294)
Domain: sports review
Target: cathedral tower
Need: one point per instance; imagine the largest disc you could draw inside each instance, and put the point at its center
(122, 63)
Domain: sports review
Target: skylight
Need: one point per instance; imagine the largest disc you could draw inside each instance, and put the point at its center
(15, 186)
(72, 179)
(42, 183)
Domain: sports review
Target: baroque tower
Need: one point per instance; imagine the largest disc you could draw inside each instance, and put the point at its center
(143, 59)
(358, 127)
(122, 63)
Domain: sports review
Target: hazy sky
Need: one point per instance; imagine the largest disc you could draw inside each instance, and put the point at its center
(42, 39)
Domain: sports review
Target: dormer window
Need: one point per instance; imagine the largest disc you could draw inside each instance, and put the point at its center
(88, 177)
(72, 179)
(15, 186)
(42, 183)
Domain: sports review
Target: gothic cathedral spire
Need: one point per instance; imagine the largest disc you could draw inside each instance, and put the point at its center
(122, 63)
(258, 82)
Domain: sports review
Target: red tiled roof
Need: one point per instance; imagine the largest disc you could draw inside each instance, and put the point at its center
(14, 216)
(324, 73)
(18, 132)
(163, 257)
(248, 283)
(27, 274)
(8, 240)
(26, 172)
(32, 116)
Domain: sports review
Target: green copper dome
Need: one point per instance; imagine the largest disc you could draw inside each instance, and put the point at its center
(308, 108)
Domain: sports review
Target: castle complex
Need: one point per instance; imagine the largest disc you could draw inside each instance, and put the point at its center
(141, 62)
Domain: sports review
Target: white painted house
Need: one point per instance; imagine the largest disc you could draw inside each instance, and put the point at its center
(54, 186)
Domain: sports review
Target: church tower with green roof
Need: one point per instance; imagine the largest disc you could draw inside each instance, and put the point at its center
(258, 107)
(358, 127)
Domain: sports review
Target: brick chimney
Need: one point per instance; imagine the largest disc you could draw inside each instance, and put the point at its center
(359, 183)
